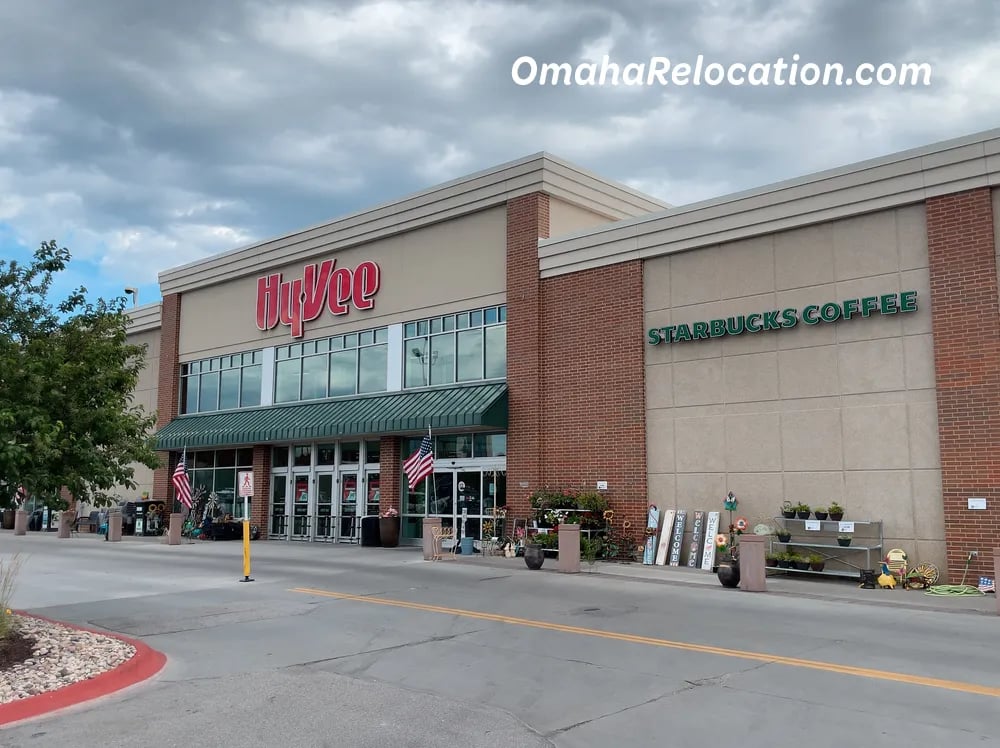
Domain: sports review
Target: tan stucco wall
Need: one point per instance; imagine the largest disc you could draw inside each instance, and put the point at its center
(842, 411)
(565, 218)
(144, 396)
(451, 266)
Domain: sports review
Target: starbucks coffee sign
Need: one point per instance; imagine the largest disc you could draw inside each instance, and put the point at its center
(783, 319)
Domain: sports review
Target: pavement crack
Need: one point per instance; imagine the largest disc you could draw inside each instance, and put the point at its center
(380, 650)
(630, 707)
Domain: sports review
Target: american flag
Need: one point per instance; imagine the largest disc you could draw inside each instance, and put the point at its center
(987, 585)
(421, 463)
(181, 482)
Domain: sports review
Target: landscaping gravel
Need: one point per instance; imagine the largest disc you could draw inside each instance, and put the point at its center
(60, 656)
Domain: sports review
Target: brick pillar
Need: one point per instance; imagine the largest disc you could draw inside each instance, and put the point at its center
(965, 311)
(527, 222)
(593, 385)
(261, 503)
(168, 388)
(390, 468)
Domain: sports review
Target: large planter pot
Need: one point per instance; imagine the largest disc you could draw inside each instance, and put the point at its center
(534, 556)
(821, 515)
(803, 515)
(836, 516)
(729, 573)
(7, 521)
(388, 530)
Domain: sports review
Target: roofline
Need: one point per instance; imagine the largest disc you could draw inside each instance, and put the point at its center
(903, 178)
(144, 318)
(539, 172)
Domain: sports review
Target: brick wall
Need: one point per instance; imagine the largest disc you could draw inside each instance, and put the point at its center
(966, 324)
(593, 385)
(261, 501)
(390, 466)
(167, 396)
(527, 221)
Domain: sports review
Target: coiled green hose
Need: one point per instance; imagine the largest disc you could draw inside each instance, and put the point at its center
(955, 590)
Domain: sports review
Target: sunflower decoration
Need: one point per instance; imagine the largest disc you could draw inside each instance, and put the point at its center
(741, 524)
(721, 543)
(608, 515)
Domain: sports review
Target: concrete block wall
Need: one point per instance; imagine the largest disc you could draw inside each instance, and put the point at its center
(840, 412)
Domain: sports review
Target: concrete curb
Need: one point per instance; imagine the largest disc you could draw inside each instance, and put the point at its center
(144, 664)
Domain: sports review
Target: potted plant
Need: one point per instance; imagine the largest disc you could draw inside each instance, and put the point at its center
(844, 540)
(801, 563)
(728, 565)
(784, 560)
(820, 512)
(771, 560)
(388, 527)
(783, 534)
(836, 512)
(802, 511)
(787, 510)
(534, 553)
(816, 562)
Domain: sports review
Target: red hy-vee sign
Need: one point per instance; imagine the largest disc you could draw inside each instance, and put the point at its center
(295, 302)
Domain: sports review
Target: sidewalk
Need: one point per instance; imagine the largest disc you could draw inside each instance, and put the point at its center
(825, 588)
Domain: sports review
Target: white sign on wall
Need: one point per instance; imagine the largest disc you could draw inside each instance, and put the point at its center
(977, 504)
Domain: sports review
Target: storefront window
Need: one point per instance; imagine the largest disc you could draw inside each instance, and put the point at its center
(434, 355)
(333, 367)
(221, 383)
(214, 476)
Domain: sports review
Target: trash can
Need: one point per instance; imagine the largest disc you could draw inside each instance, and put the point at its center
(370, 535)
(467, 546)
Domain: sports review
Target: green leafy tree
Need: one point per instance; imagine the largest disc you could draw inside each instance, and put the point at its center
(67, 374)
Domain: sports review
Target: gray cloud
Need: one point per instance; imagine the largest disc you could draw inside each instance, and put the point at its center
(153, 134)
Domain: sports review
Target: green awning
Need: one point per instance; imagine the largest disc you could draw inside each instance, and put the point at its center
(476, 406)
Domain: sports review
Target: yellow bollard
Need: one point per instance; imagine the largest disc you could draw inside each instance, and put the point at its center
(246, 551)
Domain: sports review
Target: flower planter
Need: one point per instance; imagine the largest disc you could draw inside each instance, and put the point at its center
(802, 566)
(783, 564)
(388, 530)
(818, 567)
(729, 573)
(836, 516)
(821, 515)
(843, 543)
(534, 556)
(803, 515)
(784, 537)
(788, 515)
(770, 562)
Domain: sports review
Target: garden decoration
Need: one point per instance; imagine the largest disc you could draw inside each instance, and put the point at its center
(652, 526)
(726, 548)
(886, 580)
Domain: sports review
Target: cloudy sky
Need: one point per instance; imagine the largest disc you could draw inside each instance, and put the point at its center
(142, 135)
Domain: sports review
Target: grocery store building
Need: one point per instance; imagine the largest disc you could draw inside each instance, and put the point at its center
(833, 338)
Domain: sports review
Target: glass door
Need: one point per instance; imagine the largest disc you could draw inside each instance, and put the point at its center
(468, 503)
(347, 512)
(372, 492)
(279, 507)
(300, 506)
(324, 506)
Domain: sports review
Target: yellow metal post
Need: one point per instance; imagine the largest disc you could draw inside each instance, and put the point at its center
(246, 540)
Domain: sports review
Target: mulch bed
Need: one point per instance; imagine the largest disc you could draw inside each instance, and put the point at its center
(15, 648)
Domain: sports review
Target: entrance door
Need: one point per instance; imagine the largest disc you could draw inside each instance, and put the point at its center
(300, 506)
(324, 506)
(347, 511)
(279, 507)
(372, 492)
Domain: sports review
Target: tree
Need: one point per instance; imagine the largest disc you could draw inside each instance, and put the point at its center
(67, 373)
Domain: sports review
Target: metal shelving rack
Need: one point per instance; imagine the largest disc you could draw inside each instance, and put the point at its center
(829, 529)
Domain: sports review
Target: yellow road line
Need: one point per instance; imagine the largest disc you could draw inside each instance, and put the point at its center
(830, 667)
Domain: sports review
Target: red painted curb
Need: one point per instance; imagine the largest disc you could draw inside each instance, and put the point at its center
(144, 664)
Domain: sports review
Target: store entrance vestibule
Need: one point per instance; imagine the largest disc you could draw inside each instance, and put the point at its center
(321, 492)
